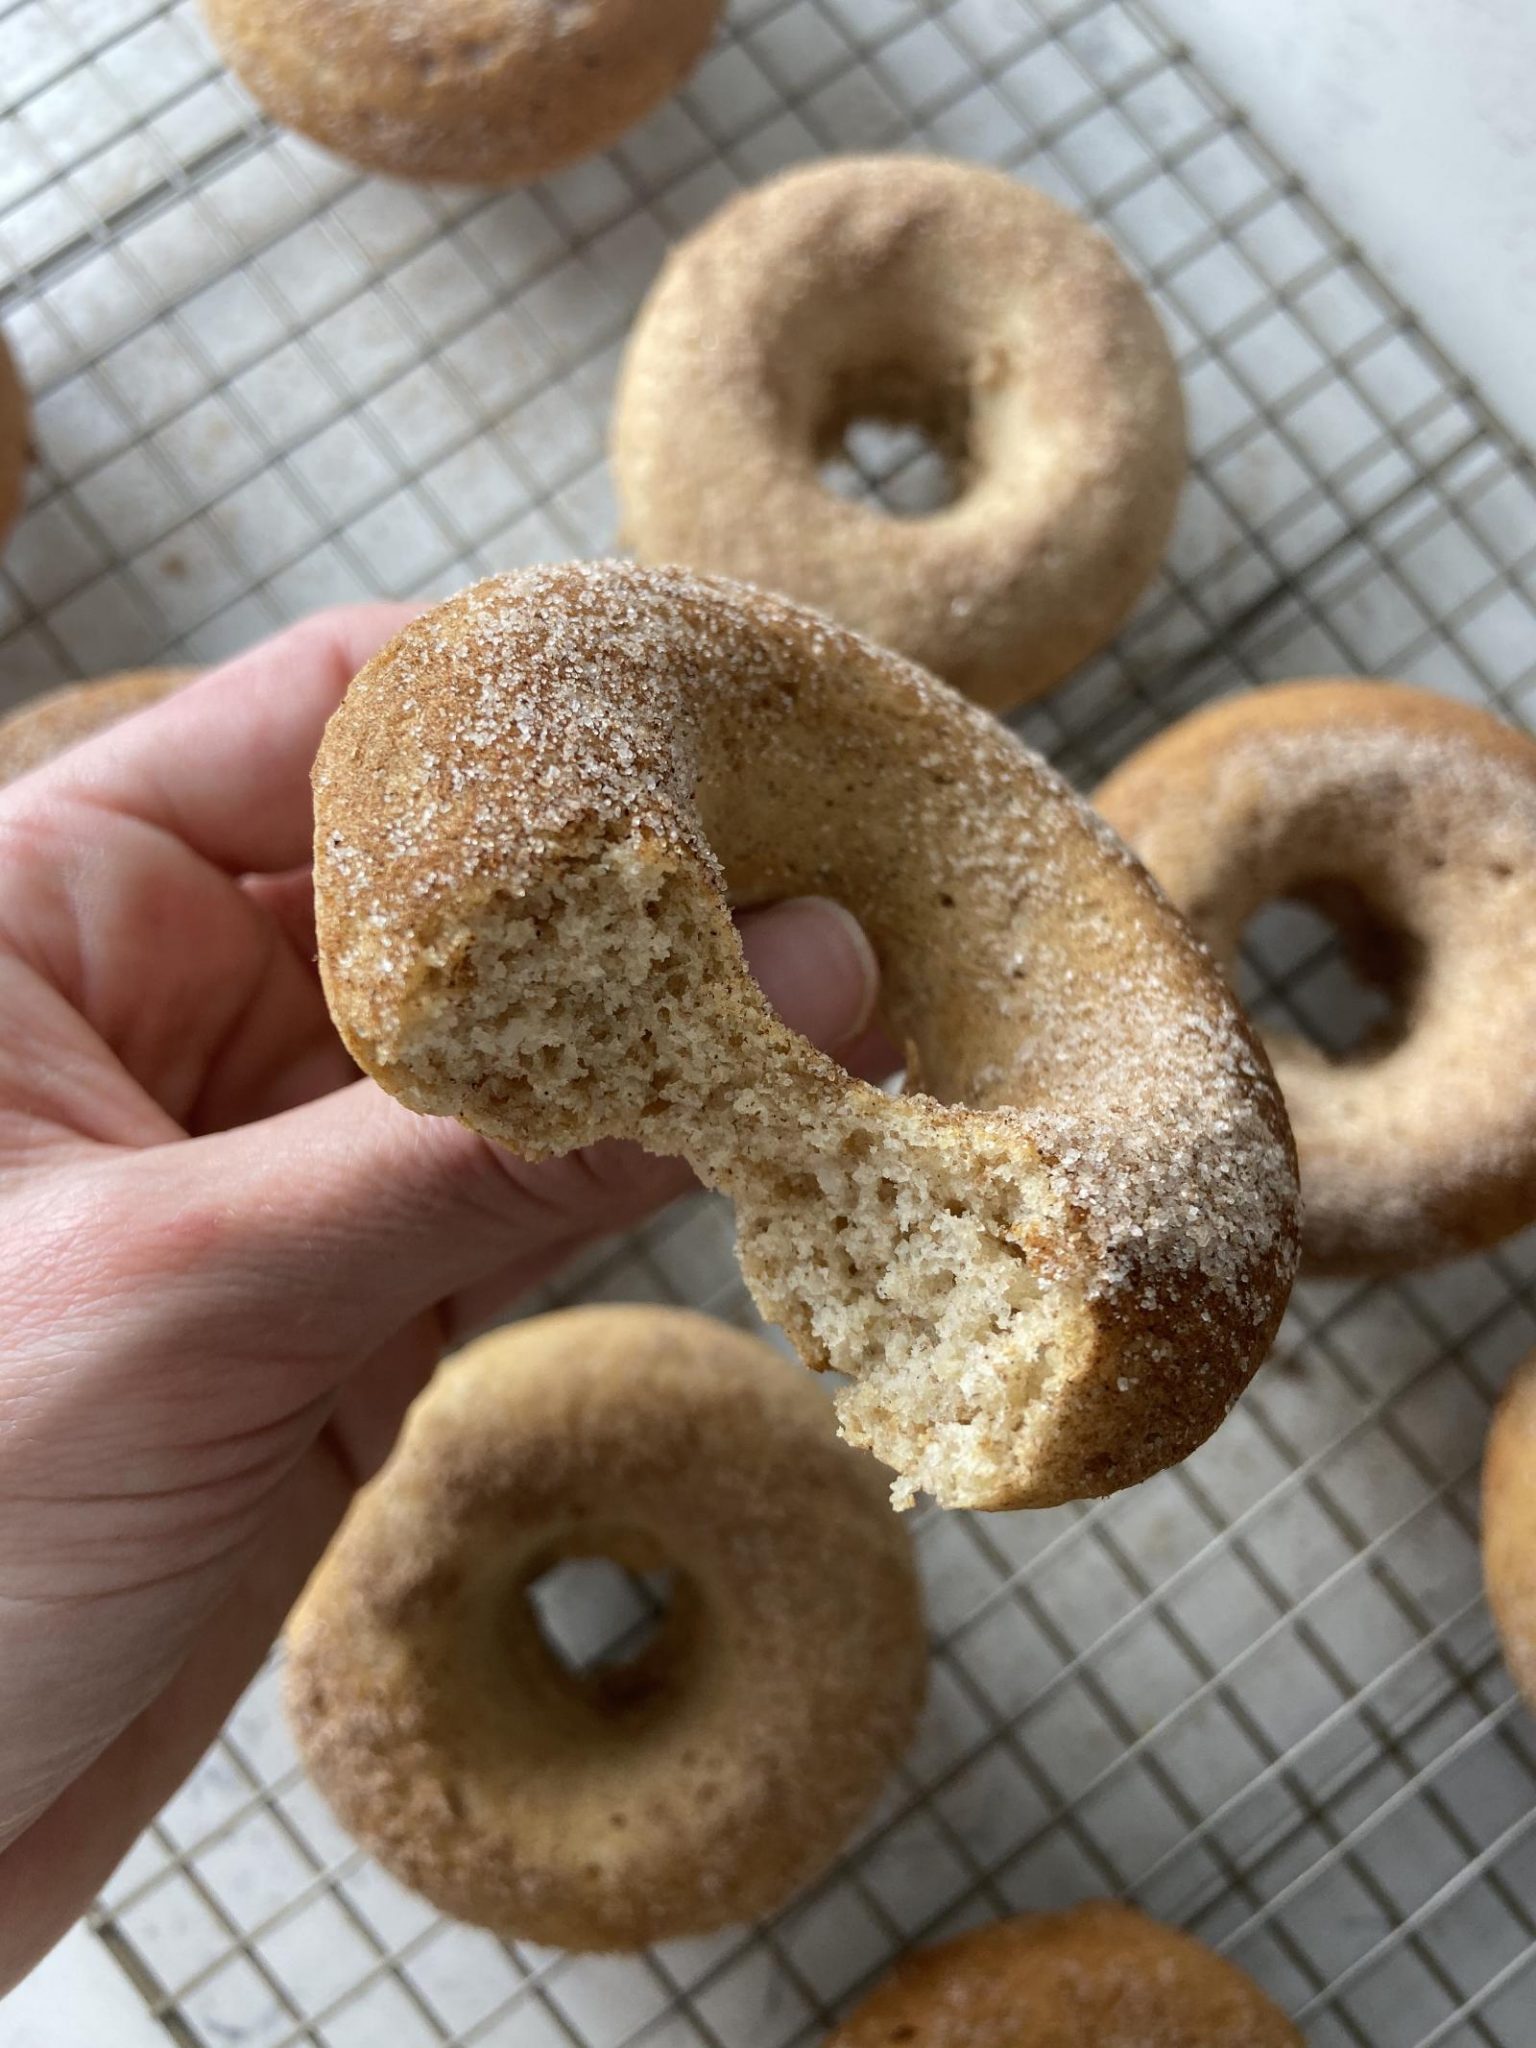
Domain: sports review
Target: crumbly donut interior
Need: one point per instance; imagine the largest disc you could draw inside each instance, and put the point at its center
(918, 1250)
(884, 1260)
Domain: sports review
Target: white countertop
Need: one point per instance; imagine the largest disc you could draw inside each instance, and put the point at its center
(78, 1998)
(1414, 123)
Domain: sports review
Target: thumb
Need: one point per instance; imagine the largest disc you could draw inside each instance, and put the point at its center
(811, 959)
(339, 1220)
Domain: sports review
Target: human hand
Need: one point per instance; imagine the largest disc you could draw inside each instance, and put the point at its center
(228, 1264)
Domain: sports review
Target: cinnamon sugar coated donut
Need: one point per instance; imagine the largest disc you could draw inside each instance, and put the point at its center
(531, 811)
(943, 295)
(1097, 1976)
(15, 441)
(1509, 1526)
(1410, 819)
(696, 1785)
(471, 91)
(59, 719)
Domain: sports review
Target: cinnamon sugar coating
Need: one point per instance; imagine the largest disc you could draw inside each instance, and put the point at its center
(1410, 819)
(944, 295)
(1098, 1976)
(1509, 1525)
(696, 1785)
(468, 91)
(532, 810)
(15, 440)
(59, 719)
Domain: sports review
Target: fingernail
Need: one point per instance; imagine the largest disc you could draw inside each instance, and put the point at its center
(812, 960)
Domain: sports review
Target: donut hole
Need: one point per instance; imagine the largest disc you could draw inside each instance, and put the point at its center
(1325, 963)
(893, 467)
(895, 442)
(613, 1629)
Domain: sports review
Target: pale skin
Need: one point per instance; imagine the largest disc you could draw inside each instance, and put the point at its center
(227, 1264)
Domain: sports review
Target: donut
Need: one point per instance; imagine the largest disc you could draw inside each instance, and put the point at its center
(493, 92)
(1410, 820)
(940, 295)
(1100, 1975)
(15, 441)
(699, 1783)
(59, 719)
(532, 810)
(1509, 1526)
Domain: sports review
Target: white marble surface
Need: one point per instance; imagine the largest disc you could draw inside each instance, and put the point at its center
(1415, 124)
(78, 1998)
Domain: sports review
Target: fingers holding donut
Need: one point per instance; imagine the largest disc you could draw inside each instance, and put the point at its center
(532, 812)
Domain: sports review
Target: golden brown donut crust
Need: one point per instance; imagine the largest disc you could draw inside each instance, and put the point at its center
(60, 719)
(15, 440)
(468, 91)
(530, 810)
(1509, 1526)
(693, 1788)
(1098, 1976)
(1403, 814)
(909, 288)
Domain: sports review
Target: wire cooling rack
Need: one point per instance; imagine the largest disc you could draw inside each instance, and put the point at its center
(1260, 1694)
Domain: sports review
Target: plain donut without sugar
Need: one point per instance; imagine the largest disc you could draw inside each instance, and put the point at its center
(472, 92)
(941, 294)
(1100, 1975)
(50, 724)
(531, 809)
(695, 1785)
(1410, 820)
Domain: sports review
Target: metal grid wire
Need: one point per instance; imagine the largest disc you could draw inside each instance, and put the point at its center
(1260, 1694)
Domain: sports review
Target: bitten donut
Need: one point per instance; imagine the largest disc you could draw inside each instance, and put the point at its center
(531, 811)
(475, 92)
(1098, 1976)
(15, 441)
(699, 1783)
(1509, 1526)
(59, 719)
(1410, 820)
(947, 297)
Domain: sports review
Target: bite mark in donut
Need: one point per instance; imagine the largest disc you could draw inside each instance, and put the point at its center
(532, 812)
